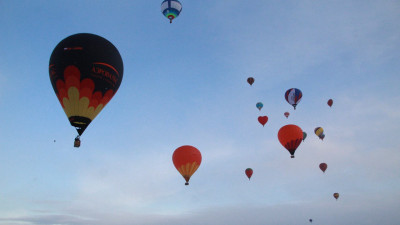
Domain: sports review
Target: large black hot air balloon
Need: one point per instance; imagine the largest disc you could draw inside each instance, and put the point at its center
(85, 71)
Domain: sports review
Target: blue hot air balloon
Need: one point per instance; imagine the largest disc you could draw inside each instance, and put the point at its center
(259, 105)
(171, 9)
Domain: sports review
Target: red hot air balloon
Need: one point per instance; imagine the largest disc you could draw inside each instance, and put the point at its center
(290, 136)
(286, 114)
(336, 195)
(187, 160)
(263, 119)
(86, 72)
(323, 167)
(330, 102)
(250, 80)
(249, 172)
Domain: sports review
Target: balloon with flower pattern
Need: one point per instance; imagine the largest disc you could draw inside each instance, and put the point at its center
(85, 71)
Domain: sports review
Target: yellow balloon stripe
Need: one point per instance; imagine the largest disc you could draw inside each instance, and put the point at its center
(188, 169)
(75, 106)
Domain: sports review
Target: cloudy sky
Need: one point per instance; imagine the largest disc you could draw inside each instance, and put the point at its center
(185, 84)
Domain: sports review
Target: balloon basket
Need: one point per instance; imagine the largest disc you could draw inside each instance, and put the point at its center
(292, 156)
(187, 183)
(77, 142)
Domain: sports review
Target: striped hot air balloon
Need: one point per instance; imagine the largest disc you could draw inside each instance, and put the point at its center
(187, 160)
(319, 132)
(171, 9)
(293, 96)
(290, 136)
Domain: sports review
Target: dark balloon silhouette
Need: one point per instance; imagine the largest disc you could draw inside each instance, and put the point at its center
(250, 80)
(330, 102)
(323, 167)
(85, 71)
(249, 172)
(336, 195)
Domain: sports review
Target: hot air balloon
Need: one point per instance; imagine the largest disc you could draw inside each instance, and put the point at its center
(250, 80)
(171, 9)
(293, 96)
(286, 114)
(290, 137)
(263, 119)
(187, 160)
(259, 105)
(310, 220)
(319, 132)
(336, 195)
(304, 135)
(323, 167)
(249, 172)
(85, 71)
(330, 102)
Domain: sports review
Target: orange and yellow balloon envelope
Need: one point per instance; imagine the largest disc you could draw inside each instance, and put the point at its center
(187, 160)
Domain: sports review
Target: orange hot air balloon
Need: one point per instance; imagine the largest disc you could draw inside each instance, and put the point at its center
(290, 137)
(249, 172)
(336, 195)
(263, 119)
(323, 167)
(286, 114)
(187, 160)
(330, 102)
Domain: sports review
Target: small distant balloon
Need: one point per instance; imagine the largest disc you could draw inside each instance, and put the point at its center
(319, 132)
(304, 135)
(263, 119)
(286, 114)
(249, 172)
(336, 195)
(171, 9)
(259, 105)
(323, 167)
(330, 102)
(293, 96)
(250, 80)
(310, 220)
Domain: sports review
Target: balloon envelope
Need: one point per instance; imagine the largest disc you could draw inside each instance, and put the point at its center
(323, 167)
(330, 102)
(263, 119)
(259, 105)
(290, 136)
(250, 80)
(319, 131)
(249, 172)
(293, 96)
(85, 71)
(286, 114)
(336, 195)
(304, 135)
(187, 160)
(171, 9)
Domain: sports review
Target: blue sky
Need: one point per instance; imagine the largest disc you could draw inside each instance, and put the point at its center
(185, 84)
